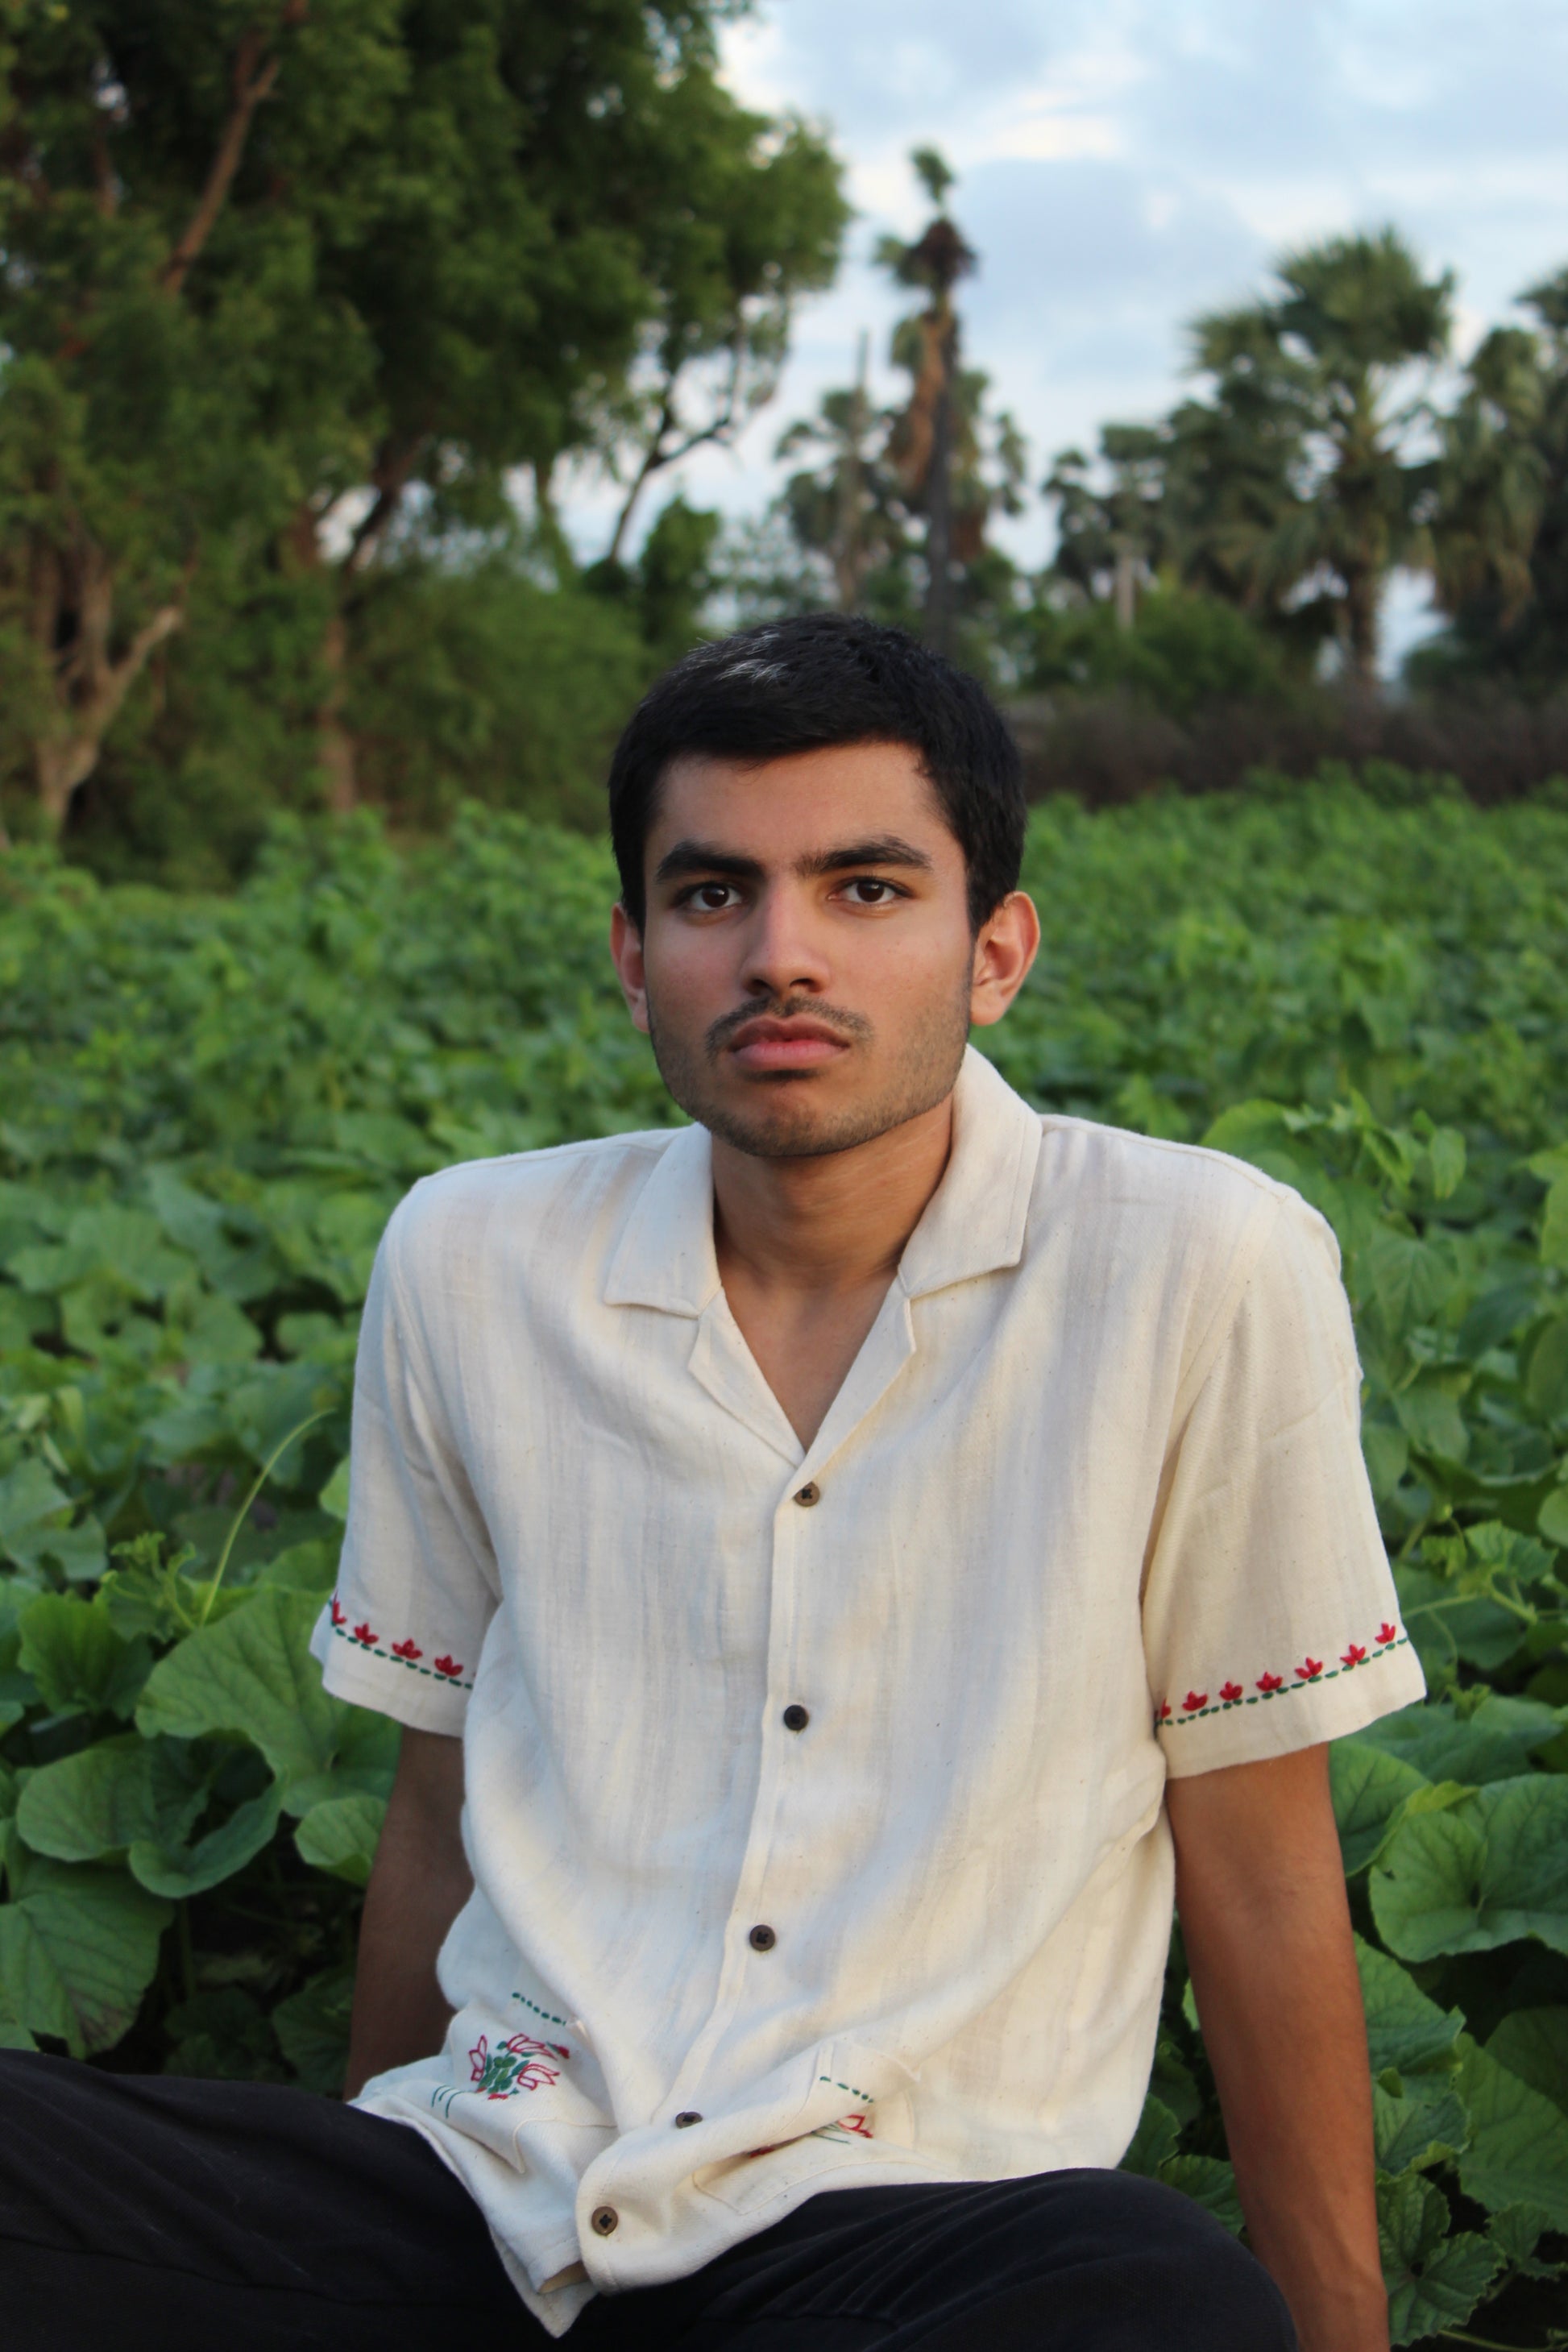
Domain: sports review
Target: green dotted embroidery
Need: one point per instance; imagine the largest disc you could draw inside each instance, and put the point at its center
(1165, 1721)
(854, 2094)
(548, 2015)
(357, 1640)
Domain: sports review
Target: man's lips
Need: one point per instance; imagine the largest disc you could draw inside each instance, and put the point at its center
(768, 1044)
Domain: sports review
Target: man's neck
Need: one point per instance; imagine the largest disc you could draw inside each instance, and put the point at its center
(834, 1225)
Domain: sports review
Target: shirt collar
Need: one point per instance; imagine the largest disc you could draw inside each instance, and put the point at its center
(974, 1224)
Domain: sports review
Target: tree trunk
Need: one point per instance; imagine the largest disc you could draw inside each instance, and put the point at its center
(73, 617)
(938, 629)
(1362, 599)
(1125, 592)
(849, 539)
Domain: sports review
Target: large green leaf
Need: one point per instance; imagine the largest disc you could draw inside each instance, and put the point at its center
(253, 1676)
(1210, 2182)
(1494, 1741)
(104, 1798)
(312, 2029)
(1433, 2281)
(1154, 2139)
(78, 1947)
(340, 1835)
(81, 1665)
(1369, 1786)
(33, 1512)
(1404, 2030)
(1418, 2116)
(1533, 2045)
(1518, 2153)
(1418, 2120)
(1484, 1871)
(165, 1868)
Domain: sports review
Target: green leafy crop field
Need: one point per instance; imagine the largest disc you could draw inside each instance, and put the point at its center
(207, 1108)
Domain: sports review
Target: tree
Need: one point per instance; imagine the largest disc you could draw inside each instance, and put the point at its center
(759, 224)
(1330, 374)
(1499, 520)
(1297, 484)
(921, 444)
(281, 275)
(848, 509)
(1111, 533)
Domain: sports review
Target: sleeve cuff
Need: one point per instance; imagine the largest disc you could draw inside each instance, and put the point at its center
(429, 1695)
(1248, 1726)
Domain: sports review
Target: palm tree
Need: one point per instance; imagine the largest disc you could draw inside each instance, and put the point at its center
(1327, 380)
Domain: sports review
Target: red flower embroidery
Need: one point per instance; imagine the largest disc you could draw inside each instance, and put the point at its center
(340, 1614)
(1193, 1700)
(1164, 1710)
(1310, 1671)
(1270, 1682)
(448, 1665)
(1230, 1693)
(1353, 1655)
(406, 1650)
(1387, 1632)
(364, 1633)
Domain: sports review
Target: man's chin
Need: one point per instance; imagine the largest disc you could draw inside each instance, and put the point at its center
(784, 1121)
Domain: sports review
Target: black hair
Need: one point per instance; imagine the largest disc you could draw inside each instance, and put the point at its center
(805, 684)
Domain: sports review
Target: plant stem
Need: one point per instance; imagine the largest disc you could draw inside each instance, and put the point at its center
(257, 1483)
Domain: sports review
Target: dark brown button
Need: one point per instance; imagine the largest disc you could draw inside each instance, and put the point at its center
(762, 1939)
(688, 2116)
(796, 1718)
(808, 1493)
(605, 2220)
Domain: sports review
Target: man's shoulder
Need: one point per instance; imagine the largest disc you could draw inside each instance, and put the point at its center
(1184, 1195)
(557, 1197)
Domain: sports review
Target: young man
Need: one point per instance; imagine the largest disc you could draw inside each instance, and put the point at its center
(839, 1564)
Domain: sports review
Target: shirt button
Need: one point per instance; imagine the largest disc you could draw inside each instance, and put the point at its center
(796, 1718)
(808, 1493)
(605, 2220)
(762, 1939)
(689, 2115)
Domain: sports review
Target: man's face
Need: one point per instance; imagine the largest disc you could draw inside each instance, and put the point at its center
(805, 971)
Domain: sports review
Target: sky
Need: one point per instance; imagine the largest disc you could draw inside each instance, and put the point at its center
(1126, 164)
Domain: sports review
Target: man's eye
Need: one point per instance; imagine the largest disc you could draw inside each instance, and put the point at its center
(711, 897)
(867, 891)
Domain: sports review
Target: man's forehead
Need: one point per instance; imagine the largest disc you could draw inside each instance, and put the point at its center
(801, 802)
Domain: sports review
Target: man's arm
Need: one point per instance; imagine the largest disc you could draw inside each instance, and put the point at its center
(1261, 1893)
(419, 1884)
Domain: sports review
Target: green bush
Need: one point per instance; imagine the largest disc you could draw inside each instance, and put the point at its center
(207, 1108)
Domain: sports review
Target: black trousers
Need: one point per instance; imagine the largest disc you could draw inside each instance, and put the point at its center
(154, 2214)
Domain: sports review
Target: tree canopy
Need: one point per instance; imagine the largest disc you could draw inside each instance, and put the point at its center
(291, 285)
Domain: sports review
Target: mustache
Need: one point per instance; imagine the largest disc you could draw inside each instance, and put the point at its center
(853, 1025)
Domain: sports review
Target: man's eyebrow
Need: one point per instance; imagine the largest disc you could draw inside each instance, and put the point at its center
(687, 857)
(882, 849)
(704, 857)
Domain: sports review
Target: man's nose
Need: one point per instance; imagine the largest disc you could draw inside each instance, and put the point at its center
(785, 950)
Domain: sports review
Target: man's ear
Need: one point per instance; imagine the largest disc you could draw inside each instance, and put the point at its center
(1006, 946)
(626, 953)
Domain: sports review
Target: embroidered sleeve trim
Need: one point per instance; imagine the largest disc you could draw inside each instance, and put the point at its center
(364, 1636)
(1200, 1703)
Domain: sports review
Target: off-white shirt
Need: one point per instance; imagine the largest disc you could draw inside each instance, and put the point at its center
(1088, 1510)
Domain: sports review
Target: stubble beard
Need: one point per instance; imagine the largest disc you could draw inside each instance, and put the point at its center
(784, 1117)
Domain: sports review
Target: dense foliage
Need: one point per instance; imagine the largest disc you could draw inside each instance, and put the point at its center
(207, 1107)
(290, 292)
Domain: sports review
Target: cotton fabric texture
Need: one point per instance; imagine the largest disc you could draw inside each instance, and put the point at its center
(1089, 1510)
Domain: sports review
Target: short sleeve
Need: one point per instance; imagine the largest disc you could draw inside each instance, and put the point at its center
(416, 1583)
(1271, 1620)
